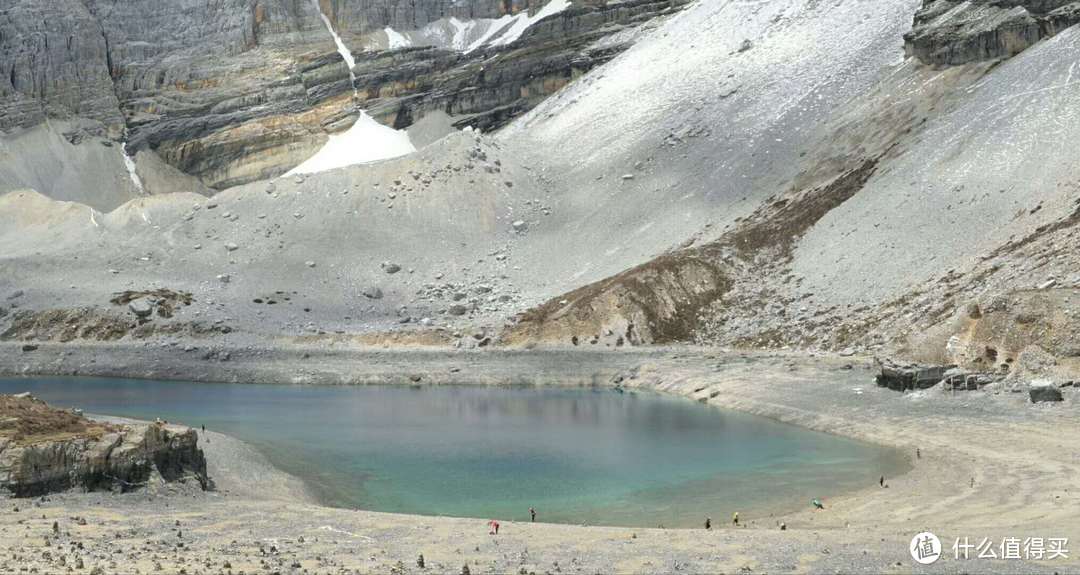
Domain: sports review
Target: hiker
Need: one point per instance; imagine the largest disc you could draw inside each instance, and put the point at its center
(881, 481)
(783, 526)
(918, 453)
(708, 523)
(735, 519)
(532, 514)
(817, 503)
(204, 428)
(494, 527)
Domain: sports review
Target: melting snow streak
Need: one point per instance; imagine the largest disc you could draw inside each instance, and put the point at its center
(129, 163)
(367, 140)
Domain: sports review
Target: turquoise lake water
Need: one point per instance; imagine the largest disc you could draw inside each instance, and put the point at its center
(576, 455)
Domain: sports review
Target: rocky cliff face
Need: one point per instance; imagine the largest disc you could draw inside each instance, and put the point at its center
(53, 61)
(952, 32)
(44, 450)
(489, 90)
(241, 90)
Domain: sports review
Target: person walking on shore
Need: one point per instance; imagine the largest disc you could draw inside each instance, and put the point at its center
(708, 523)
(735, 519)
(532, 514)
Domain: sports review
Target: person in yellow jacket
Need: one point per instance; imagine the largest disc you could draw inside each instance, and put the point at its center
(735, 519)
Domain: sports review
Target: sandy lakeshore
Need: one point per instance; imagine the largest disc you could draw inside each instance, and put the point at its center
(991, 466)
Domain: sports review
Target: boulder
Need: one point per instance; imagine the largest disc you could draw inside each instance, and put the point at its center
(904, 377)
(141, 307)
(1040, 392)
(390, 267)
(373, 293)
(520, 226)
(458, 310)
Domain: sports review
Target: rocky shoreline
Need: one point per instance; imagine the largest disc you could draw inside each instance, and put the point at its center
(44, 450)
(265, 530)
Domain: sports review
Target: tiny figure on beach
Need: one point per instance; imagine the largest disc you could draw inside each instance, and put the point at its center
(918, 453)
(708, 523)
(494, 527)
(783, 526)
(817, 503)
(204, 428)
(881, 481)
(532, 514)
(735, 519)
(972, 482)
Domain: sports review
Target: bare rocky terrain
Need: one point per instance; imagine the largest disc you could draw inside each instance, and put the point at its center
(593, 182)
(1008, 480)
(807, 192)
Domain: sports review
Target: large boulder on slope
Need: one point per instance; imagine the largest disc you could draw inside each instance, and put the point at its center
(1044, 391)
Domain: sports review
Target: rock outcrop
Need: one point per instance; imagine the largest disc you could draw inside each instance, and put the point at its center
(1044, 392)
(54, 61)
(910, 376)
(45, 450)
(953, 32)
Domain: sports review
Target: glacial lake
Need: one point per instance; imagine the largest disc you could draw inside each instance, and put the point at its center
(592, 456)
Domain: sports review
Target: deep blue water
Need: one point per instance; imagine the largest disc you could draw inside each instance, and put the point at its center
(576, 455)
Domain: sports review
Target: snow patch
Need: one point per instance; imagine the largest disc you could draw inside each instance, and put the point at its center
(365, 142)
(342, 49)
(129, 163)
(508, 29)
(395, 39)
(460, 39)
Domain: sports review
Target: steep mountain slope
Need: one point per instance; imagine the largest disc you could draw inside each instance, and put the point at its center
(913, 181)
(744, 174)
(243, 90)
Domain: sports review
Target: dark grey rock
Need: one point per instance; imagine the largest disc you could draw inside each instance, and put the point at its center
(1044, 393)
(141, 307)
(903, 377)
(458, 310)
(953, 32)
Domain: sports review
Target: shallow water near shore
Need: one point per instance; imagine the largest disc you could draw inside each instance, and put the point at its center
(593, 456)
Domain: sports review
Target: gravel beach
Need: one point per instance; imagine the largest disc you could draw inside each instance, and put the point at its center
(990, 466)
